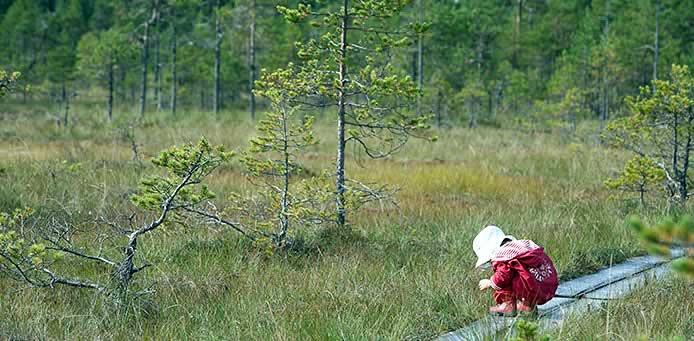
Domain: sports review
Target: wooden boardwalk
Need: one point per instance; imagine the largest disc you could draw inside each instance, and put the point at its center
(576, 296)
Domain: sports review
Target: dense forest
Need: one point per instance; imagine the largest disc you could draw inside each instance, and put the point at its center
(537, 63)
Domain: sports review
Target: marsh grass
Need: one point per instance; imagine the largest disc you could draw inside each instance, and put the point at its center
(662, 310)
(400, 273)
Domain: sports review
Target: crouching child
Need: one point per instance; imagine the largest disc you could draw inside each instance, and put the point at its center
(524, 275)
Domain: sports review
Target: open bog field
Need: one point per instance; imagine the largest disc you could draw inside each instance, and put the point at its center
(404, 272)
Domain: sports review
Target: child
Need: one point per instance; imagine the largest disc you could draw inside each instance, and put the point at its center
(524, 276)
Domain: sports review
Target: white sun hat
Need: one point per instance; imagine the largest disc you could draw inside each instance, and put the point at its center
(486, 242)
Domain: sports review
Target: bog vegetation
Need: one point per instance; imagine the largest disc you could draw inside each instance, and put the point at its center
(289, 169)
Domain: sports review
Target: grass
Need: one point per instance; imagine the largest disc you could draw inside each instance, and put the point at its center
(661, 310)
(401, 274)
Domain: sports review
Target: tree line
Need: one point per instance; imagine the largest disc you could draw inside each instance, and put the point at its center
(540, 63)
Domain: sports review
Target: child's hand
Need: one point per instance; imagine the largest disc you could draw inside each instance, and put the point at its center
(485, 283)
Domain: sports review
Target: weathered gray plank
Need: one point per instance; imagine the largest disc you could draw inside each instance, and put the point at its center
(608, 275)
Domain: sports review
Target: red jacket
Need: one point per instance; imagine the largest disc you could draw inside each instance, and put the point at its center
(523, 268)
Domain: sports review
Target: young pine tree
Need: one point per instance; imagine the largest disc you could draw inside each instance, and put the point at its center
(99, 55)
(7, 82)
(29, 255)
(350, 65)
(272, 161)
(641, 175)
(661, 128)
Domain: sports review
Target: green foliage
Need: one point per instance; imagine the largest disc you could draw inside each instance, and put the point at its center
(666, 235)
(382, 123)
(660, 130)
(7, 82)
(186, 167)
(98, 51)
(348, 66)
(527, 331)
(19, 258)
(272, 163)
(641, 175)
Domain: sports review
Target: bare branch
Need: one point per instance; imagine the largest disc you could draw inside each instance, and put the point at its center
(56, 279)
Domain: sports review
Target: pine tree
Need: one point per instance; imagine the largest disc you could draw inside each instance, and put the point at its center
(641, 175)
(23, 40)
(99, 56)
(7, 82)
(272, 161)
(349, 66)
(661, 128)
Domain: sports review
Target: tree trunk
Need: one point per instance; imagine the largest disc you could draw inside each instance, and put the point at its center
(574, 119)
(675, 150)
(109, 106)
(605, 81)
(145, 60)
(684, 174)
(642, 191)
(217, 57)
(284, 219)
(66, 105)
(419, 62)
(251, 60)
(174, 80)
(157, 64)
(24, 91)
(145, 56)
(342, 97)
(656, 44)
(515, 59)
(126, 270)
(439, 99)
(121, 91)
(473, 107)
(158, 73)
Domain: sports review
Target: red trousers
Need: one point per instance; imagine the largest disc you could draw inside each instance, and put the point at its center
(507, 294)
(504, 295)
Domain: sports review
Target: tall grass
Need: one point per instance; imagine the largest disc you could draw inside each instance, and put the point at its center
(405, 273)
(662, 310)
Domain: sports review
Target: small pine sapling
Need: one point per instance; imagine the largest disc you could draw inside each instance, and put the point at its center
(22, 260)
(640, 175)
(272, 163)
(7, 82)
(528, 331)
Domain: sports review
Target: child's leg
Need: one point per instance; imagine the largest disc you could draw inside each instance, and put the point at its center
(504, 295)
